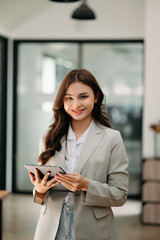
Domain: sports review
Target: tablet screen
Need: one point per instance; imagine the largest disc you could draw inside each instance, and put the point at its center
(43, 169)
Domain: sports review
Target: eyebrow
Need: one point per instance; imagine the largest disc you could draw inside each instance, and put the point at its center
(79, 94)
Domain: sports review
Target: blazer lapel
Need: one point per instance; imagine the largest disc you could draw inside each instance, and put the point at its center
(93, 138)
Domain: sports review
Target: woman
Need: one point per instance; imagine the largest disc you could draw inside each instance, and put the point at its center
(82, 142)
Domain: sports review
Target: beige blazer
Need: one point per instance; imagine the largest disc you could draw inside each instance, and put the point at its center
(103, 161)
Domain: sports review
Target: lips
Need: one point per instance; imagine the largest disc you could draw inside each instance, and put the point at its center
(78, 111)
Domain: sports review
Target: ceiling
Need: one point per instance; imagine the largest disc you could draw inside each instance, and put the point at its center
(19, 18)
(15, 12)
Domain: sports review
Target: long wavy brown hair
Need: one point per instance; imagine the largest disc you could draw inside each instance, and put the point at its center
(59, 128)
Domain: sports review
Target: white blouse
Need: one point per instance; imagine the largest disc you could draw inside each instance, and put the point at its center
(73, 150)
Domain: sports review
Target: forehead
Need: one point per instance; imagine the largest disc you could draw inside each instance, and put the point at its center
(78, 88)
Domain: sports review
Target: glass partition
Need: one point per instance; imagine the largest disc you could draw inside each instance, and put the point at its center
(119, 70)
(41, 68)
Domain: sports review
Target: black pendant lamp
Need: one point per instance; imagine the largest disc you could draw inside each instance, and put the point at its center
(64, 1)
(83, 12)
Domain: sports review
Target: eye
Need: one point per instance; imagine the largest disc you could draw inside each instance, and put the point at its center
(68, 98)
(83, 96)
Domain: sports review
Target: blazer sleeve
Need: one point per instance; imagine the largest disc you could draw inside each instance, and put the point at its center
(114, 192)
(37, 197)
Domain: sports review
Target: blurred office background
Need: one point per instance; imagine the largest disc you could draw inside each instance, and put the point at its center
(40, 43)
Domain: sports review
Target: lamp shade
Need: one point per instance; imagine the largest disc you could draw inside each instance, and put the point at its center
(83, 13)
(64, 1)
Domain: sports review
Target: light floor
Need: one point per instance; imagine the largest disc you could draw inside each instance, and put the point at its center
(20, 216)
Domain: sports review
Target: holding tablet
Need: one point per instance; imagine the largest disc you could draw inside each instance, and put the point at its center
(43, 169)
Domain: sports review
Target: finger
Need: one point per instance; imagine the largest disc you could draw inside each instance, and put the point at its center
(73, 174)
(45, 178)
(64, 181)
(54, 184)
(65, 176)
(37, 175)
(70, 174)
(32, 178)
(53, 180)
(71, 183)
(67, 183)
(69, 186)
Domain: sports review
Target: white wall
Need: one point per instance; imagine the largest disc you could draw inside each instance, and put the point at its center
(115, 19)
(152, 74)
(4, 33)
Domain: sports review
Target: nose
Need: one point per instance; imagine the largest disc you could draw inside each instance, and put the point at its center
(77, 103)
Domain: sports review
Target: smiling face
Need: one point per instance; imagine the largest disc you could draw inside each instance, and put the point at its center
(79, 101)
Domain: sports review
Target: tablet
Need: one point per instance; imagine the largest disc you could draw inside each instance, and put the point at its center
(43, 169)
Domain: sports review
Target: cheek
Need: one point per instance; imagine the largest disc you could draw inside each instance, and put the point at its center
(90, 103)
(66, 106)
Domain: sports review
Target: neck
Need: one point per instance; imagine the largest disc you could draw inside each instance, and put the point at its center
(79, 127)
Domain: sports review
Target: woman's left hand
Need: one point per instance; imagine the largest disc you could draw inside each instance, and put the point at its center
(73, 181)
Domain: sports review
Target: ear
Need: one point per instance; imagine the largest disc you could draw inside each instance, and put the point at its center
(96, 97)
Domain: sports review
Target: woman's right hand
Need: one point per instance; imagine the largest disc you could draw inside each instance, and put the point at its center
(42, 185)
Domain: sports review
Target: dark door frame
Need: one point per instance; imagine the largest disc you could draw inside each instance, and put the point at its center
(3, 109)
